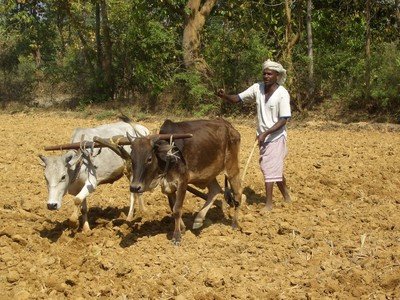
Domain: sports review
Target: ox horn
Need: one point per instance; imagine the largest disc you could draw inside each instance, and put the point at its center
(114, 144)
(129, 137)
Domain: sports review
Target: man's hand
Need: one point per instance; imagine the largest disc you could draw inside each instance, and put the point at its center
(229, 98)
(221, 93)
(261, 138)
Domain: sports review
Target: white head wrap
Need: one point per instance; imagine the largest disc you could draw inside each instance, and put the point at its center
(269, 64)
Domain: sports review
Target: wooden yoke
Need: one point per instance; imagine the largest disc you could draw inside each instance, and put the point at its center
(116, 140)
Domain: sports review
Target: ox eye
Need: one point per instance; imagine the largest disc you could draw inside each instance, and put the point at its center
(149, 160)
(62, 178)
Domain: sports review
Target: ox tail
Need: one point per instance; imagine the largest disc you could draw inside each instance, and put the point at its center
(124, 118)
(228, 195)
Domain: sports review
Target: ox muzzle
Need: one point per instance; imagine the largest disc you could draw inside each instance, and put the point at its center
(52, 206)
(136, 188)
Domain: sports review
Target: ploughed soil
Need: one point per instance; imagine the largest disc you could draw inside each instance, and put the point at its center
(339, 238)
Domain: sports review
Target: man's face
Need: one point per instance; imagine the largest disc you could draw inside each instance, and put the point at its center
(270, 76)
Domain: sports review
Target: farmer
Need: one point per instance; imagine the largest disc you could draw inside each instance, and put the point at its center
(273, 111)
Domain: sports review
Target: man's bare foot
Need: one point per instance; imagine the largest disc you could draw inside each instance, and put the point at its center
(267, 208)
(287, 198)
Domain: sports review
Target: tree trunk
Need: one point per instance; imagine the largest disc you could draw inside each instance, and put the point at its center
(191, 41)
(60, 29)
(290, 41)
(310, 51)
(397, 4)
(37, 55)
(86, 49)
(368, 50)
(98, 36)
(107, 59)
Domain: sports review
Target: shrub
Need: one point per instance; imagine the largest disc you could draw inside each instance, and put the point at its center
(385, 85)
(18, 84)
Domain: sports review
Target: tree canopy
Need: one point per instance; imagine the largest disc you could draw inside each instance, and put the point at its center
(174, 54)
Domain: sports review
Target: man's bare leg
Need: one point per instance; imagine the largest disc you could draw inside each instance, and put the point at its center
(284, 190)
(268, 190)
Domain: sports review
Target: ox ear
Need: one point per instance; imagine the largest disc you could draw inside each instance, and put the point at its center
(163, 149)
(70, 158)
(154, 142)
(43, 160)
(159, 148)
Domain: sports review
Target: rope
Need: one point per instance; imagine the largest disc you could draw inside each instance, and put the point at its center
(89, 155)
(170, 155)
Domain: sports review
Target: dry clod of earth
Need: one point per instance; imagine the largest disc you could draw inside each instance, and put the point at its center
(339, 238)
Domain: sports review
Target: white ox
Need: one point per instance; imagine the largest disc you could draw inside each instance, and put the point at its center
(80, 172)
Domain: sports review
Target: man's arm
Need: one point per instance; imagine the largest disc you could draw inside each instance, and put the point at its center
(229, 98)
(278, 125)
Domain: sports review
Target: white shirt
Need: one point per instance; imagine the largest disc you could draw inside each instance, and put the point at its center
(268, 113)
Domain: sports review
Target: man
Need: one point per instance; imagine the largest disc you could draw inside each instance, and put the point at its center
(273, 111)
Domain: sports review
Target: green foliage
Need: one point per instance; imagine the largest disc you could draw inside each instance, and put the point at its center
(72, 69)
(385, 89)
(8, 51)
(146, 53)
(236, 63)
(141, 116)
(346, 75)
(19, 84)
(205, 110)
(193, 90)
(236, 43)
(107, 114)
(61, 43)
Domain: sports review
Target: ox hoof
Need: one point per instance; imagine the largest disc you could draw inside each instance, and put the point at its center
(176, 243)
(129, 218)
(176, 239)
(86, 228)
(244, 198)
(235, 225)
(197, 224)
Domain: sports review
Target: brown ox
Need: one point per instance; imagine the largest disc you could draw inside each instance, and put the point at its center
(214, 148)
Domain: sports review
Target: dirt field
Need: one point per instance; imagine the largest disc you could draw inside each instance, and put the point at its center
(339, 238)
